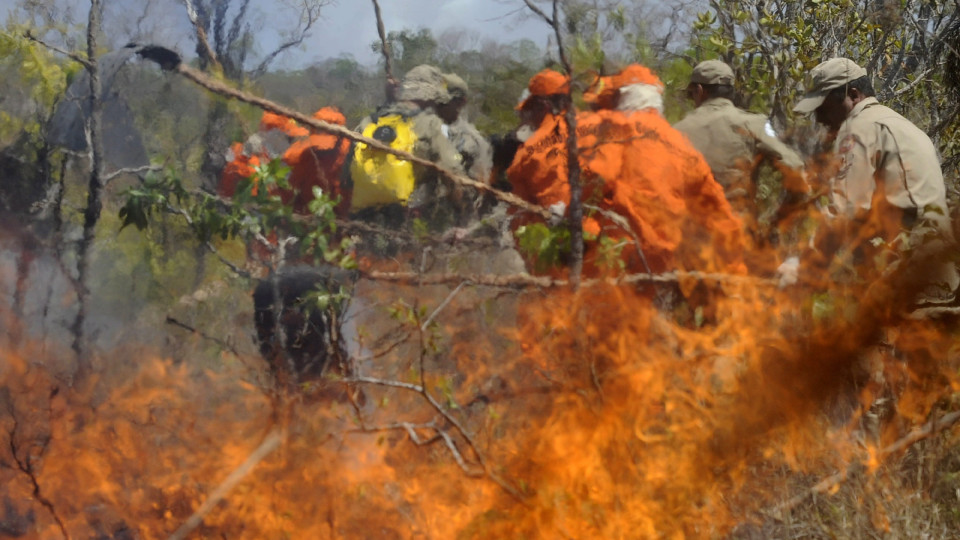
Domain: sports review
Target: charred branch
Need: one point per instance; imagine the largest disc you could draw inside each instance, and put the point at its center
(223, 344)
(91, 214)
(529, 281)
(26, 464)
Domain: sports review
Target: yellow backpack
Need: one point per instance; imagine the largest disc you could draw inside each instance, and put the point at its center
(380, 178)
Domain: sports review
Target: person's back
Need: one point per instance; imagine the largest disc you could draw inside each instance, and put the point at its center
(887, 199)
(316, 161)
(653, 176)
(914, 180)
(732, 140)
(411, 187)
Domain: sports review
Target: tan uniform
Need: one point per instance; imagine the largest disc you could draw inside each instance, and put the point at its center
(731, 140)
(475, 150)
(890, 177)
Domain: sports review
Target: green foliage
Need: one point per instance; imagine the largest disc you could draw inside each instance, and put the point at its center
(32, 80)
(610, 253)
(257, 211)
(547, 246)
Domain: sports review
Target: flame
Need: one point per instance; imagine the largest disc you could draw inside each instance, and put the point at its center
(588, 414)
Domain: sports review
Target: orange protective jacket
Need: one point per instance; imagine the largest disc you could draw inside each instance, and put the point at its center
(636, 165)
(239, 168)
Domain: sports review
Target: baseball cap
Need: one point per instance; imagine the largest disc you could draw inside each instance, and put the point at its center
(712, 72)
(827, 76)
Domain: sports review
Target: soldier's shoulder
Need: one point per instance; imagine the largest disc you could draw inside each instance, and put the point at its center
(693, 120)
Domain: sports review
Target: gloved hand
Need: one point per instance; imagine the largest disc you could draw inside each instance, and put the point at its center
(557, 211)
(788, 271)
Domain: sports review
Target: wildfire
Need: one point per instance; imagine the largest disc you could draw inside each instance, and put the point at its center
(480, 414)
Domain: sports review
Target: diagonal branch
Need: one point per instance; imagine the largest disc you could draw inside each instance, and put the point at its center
(203, 43)
(218, 87)
(269, 444)
(926, 431)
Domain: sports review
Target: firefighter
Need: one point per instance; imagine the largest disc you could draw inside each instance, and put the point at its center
(732, 140)
(635, 164)
(273, 137)
(887, 190)
(385, 188)
(318, 160)
(475, 151)
(538, 170)
(735, 144)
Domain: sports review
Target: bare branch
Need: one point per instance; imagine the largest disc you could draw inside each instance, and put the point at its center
(312, 13)
(73, 56)
(527, 280)
(26, 466)
(203, 44)
(223, 89)
(392, 82)
(446, 301)
(384, 382)
(138, 170)
(204, 335)
(269, 444)
(926, 431)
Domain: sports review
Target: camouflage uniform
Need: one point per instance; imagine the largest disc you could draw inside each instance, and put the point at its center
(733, 140)
(422, 89)
(475, 150)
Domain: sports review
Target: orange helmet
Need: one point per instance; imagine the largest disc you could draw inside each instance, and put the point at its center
(604, 93)
(330, 115)
(546, 83)
(287, 125)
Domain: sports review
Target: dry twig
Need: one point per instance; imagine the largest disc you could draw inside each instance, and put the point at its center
(269, 444)
(926, 431)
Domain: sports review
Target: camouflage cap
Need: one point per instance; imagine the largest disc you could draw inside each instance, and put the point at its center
(456, 86)
(712, 72)
(424, 83)
(828, 75)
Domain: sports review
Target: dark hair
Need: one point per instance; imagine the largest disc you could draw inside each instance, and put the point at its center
(862, 85)
(719, 91)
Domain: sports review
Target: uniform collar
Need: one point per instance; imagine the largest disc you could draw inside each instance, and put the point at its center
(716, 103)
(864, 103)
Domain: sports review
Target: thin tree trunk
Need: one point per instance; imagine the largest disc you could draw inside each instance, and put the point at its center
(94, 204)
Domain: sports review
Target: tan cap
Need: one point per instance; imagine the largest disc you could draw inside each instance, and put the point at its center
(424, 83)
(712, 72)
(456, 86)
(828, 75)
